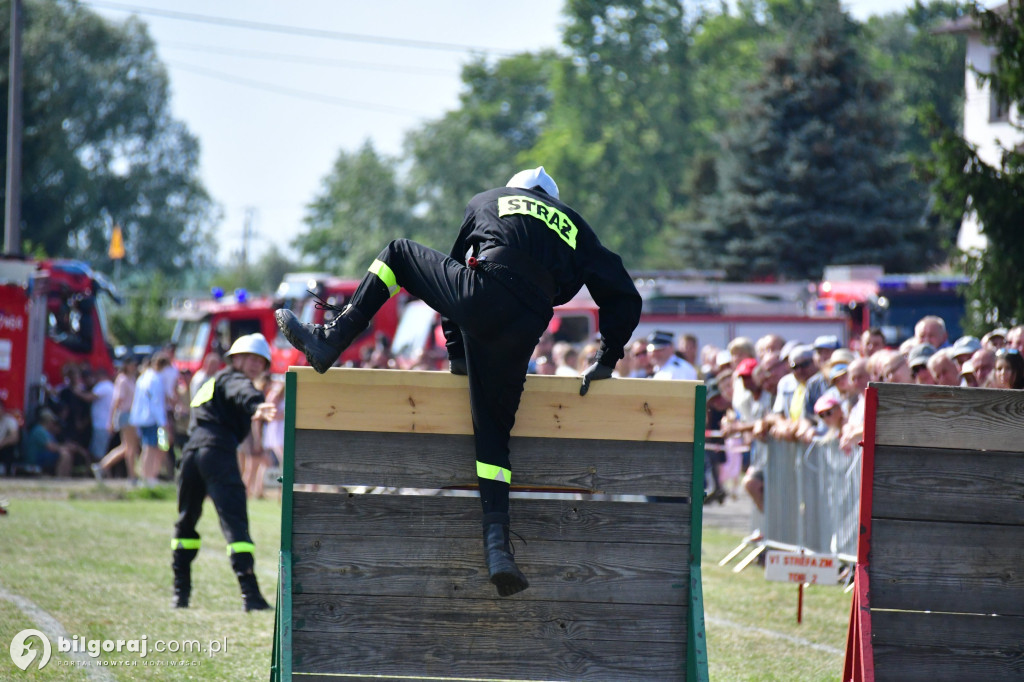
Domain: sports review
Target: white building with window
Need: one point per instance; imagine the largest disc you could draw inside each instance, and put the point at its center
(991, 124)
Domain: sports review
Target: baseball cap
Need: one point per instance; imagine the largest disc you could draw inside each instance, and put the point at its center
(800, 354)
(919, 354)
(746, 367)
(836, 371)
(825, 402)
(787, 348)
(966, 345)
(827, 342)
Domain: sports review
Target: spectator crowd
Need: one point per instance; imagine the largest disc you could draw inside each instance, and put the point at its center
(130, 426)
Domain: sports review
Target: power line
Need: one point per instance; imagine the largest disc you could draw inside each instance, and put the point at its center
(304, 94)
(302, 59)
(296, 30)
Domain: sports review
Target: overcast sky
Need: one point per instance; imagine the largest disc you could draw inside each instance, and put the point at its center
(273, 108)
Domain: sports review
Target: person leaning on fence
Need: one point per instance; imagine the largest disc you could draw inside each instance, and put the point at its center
(829, 410)
(225, 410)
(520, 252)
(793, 413)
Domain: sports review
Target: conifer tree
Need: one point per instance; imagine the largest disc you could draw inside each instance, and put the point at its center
(809, 175)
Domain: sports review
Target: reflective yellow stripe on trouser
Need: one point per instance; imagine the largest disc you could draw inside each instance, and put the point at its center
(493, 473)
(386, 275)
(185, 543)
(240, 547)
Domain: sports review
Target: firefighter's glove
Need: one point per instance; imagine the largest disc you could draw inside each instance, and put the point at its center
(457, 366)
(595, 372)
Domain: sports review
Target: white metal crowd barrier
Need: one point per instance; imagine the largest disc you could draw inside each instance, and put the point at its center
(811, 500)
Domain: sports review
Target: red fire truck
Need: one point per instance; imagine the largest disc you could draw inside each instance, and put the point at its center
(207, 325)
(51, 314)
(714, 311)
(893, 303)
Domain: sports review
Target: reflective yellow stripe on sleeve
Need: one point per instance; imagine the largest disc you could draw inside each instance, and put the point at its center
(240, 547)
(185, 543)
(204, 394)
(493, 473)
(386, 275)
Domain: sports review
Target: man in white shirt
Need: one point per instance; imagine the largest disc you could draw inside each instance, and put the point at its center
(149, 415)
(668, 365)
(102, 400)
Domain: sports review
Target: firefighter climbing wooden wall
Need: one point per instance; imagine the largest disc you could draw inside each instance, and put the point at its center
(380, 584)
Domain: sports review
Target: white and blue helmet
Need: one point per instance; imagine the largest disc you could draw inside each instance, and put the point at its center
(534, 177)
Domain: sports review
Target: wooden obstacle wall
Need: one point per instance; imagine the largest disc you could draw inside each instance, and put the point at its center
(940, 578)
(389, 586)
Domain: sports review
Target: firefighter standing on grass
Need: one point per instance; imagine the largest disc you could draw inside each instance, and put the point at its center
(225, 409)
(520, 252)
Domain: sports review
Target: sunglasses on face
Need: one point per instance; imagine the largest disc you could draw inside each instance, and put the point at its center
(801, 365)
(828, 413)
(1003, 352)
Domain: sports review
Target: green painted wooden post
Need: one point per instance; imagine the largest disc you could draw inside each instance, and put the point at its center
(281, 664)
(697, 641)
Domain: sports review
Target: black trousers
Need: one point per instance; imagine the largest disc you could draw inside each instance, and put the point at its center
(214, 472)
(499, 332)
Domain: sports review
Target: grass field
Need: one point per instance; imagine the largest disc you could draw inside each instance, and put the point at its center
(98, 563)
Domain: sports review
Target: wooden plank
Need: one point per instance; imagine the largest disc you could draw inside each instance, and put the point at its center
(950, 630)
(480, 655)
(418, 568)
(963, 568)
(949, 485)
(357, 458)
(941, 646)
(533, 519)
(509, 619)
(438, 402)
(922, 416)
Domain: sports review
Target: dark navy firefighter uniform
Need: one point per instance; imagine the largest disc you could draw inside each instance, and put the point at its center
(222, 412)
(520, 251)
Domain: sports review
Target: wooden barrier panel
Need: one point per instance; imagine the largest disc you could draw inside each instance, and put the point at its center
(395, 586)
(939, 591)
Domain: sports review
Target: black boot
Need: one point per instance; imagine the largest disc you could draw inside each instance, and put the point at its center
(181, 562)
(252, 600)
(505, 575)
(322, 344)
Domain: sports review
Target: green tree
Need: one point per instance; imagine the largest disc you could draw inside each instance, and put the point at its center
(924, 67)
(100, 146)
(140, 318)
(807, 174)
(994, 193)
(503, 109)
(359, 209)
(618, 138)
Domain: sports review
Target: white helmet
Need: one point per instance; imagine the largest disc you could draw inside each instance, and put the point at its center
(251, 343)
(534, 177)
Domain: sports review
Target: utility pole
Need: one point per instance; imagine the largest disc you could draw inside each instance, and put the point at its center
(12, 212)
(250, 214)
